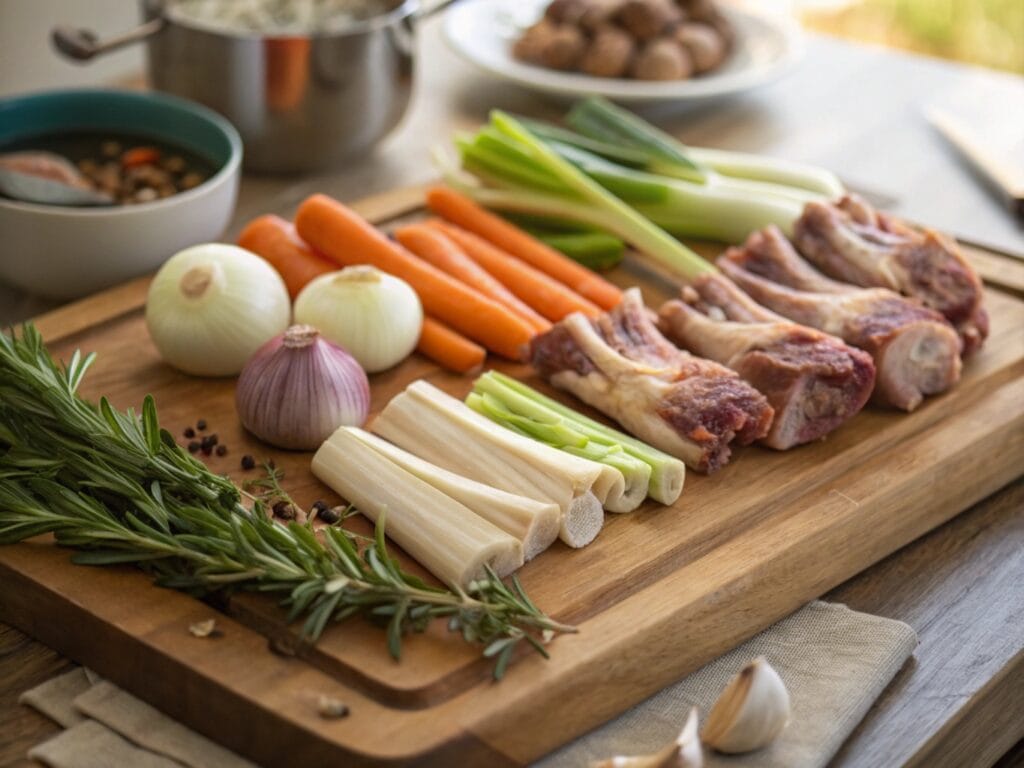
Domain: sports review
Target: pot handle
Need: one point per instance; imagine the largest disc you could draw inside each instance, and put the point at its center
(82, 44)
(428, 11)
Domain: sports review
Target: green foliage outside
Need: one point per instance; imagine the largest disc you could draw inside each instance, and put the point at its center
(985, 32)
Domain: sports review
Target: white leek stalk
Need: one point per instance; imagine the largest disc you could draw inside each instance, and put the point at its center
(447, 538)
(534, 523)
(427, 422)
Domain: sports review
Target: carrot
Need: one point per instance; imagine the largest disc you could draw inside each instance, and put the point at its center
(542, 293)
(287, 71)
(432, 245)
(449, 349)
(345, 237)
(276, 241)
(139, 156)
(459, 209)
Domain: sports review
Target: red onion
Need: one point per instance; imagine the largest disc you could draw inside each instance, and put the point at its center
(298, 388)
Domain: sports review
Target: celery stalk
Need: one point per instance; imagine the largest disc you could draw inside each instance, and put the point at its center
(594, 250)
(667, 473)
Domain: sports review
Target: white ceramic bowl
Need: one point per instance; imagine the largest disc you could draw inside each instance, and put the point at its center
(63, 252)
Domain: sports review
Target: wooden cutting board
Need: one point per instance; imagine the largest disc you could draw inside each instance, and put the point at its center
(659, 593)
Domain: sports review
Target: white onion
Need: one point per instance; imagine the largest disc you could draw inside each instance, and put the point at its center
(375, 316)
(299, 388)
(211, 306)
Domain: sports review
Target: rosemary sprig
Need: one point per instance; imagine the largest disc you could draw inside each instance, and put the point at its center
(117, 487)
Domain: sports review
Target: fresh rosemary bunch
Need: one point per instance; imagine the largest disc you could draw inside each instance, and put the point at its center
(117, 487)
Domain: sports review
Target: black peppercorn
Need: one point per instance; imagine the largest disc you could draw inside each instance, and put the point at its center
(201, 425)
(248, 462)
(189, 432)
(221, 450)
(329, 515)
(193, 446)
(284, 510)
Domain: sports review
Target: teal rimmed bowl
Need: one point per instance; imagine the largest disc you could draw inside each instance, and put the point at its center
(63, 252)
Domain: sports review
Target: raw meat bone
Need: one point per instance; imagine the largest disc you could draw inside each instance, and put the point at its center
(813, 381)
(916, 352)
(851, 241)
(621, 365)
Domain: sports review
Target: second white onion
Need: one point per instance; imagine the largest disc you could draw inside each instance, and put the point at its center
(374, 316)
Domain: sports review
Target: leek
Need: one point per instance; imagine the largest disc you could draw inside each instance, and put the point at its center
(666, 473)
(447, 538)
(444, 431)
(533, 523)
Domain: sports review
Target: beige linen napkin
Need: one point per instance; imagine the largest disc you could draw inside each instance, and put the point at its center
(834, 661)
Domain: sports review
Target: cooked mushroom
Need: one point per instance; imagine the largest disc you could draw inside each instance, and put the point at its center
(599, 13)
(531, 44)
(647, 19)
(566, 11)
(705, 45)
(610, 52)
(564, 48)
(662, 59)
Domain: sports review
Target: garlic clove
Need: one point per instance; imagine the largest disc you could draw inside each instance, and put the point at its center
(750, 712)
(684, 752)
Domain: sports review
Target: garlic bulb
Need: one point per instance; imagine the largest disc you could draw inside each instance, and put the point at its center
(751, 711)
(375, 316)
(684, 752)
(299, 388)
(211, 306)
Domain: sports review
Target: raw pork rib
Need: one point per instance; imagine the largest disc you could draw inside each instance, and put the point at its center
(813, 381)
(851, 241)
(916, 352)
(620, 364)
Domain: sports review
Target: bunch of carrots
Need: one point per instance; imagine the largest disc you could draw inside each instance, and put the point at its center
(485, 284)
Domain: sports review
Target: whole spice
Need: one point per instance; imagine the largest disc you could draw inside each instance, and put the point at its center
(78, 467)
(211, 306)
(222, 450)
(329, 707)
(751, 711)
(375, 316)
(206, 628)
(298, 388)
(248, 462)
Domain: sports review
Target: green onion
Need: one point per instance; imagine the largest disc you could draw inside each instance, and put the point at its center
(601, 122)
(501, 398)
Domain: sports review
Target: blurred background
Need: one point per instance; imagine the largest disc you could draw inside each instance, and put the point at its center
(989, 33)
(985, 32)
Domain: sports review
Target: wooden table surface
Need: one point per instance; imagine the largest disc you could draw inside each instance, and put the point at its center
(960, 701)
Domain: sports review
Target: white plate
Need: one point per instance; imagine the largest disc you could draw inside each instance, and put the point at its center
(483, 31)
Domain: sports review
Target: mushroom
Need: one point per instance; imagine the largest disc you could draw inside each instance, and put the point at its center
(564, 48)
(599, 13)
(662, 59)
(647, 19)
(566, 11)
(705, 45)
(610, 52)
(531, 44)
